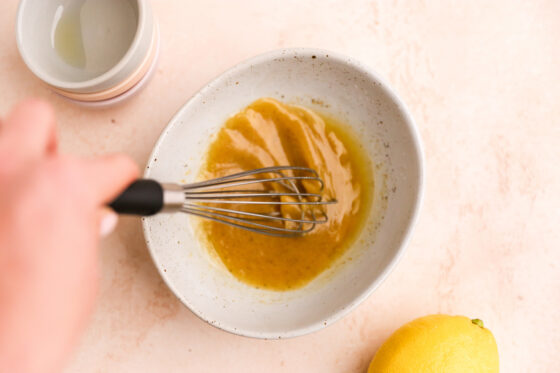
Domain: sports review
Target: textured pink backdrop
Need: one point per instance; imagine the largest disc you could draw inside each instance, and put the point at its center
(482, 79)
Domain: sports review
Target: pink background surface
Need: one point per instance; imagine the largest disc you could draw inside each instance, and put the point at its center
(482, 79)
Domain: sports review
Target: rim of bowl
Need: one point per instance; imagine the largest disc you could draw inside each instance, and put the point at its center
(405, 238)
(39, 72)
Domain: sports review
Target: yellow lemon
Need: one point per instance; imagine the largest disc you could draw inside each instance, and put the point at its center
(438, 343)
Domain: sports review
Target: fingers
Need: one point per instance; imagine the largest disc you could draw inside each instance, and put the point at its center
(29, 131)
(109, 175)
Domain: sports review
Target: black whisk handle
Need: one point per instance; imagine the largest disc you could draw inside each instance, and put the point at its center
(143, 197)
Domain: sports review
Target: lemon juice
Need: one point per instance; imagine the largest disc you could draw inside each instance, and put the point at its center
(94, 35)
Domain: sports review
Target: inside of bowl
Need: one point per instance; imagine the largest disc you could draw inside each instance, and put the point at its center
(75, 40)
(330, 84)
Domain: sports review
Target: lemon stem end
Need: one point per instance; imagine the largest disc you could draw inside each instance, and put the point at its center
(478, 322)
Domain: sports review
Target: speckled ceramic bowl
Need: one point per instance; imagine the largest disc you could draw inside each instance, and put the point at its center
(345, 89)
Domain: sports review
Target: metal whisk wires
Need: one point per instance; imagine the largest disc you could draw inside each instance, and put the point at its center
(262, 200)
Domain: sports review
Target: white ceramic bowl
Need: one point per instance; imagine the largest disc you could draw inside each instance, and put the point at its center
(318, 79)
(34, 33)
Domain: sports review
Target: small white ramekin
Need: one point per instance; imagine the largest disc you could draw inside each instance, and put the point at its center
(33, 33)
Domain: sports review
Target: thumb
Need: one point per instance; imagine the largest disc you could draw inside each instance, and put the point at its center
(29, 131)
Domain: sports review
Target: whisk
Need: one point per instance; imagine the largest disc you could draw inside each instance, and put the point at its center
(229, 200)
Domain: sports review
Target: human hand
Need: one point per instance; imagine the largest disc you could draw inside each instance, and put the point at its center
(51, 208)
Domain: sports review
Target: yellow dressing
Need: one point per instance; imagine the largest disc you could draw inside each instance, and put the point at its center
(270, 133)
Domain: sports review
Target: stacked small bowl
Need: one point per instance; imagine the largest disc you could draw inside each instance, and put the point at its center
(35, 40)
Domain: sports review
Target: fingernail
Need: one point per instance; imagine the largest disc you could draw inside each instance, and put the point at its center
(108, 223)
